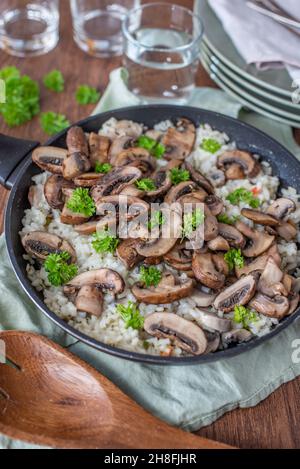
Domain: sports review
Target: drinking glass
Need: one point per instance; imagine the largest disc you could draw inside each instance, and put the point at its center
(28, 28)
(97, 25)
(161, 51)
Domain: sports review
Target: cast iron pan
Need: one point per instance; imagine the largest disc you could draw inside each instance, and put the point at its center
(16, 171)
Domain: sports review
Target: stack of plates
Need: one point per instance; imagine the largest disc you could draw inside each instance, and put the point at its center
(266, 92)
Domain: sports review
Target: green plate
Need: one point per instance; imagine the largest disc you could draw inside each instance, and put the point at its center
(219, 42)
(252, 103)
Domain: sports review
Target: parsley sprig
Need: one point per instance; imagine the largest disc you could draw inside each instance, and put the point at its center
(81, 202)
(179, 175)
(234, 258)
(150, 275)
(146, 184)
(156, 149)
(210, 145)
(59, 270)
(157, 219)
(87, 95)
(54, 81)
(131, 315)
(102, 167)
(104, 241)
(191, 221)
(52, 123)
(244, 316)
(224, 218)
(243, 195)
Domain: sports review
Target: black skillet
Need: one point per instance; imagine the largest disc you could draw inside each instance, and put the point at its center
(16, 171)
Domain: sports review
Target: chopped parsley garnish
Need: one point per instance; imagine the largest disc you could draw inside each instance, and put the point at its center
(179, 175)
(243, 195)
(150, 276)
(156, 149)
(244, 316)
(59, 270)
(131, 315)
(146, 184)
(234, 258)
(54, 81)
(102, 167)
(157, 219)
(210, 144)
(104, 241)
(81, 202)
(87, 95)
(52, 123)
(191, 221)
(22, 97)
(224, 218)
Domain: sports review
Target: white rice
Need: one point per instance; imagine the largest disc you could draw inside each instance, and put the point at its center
(110, 327)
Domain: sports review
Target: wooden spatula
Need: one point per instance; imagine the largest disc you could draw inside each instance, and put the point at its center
(50, 397)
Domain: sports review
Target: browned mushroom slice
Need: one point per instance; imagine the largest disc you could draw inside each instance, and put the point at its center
(132, 206)
(197, 177)
(212, 321)
(132, 190)
(270, 280)
(99, 147)
(163, 293)
(87, 179)
(170, 231)
(239, 293)
(232, 235)
(34, 197)
(276, 307)
(128, 128)
(179, 257)
(185, 334)
(234, 171)
(281, 208)
(259, 217)
(218, 244)
(53, 190)
(117, 146)
(72, 218)
(115, 181)
(217, 178)
(50, 158)
(245, 160)
(257, 265)
(293, 302)
(126, 252)
(162, 181)
(104, 279)
(138, 157)
(215, 204)
(76, 141)
(179, 141)
(88, 227)
(40, 244)
(89, 300)
(235, 336)
(183, 188)
(259, 240)
(206, 271)
(211, 226)
(203, 298)
(193, 198)
(75, 164)
(287, 231)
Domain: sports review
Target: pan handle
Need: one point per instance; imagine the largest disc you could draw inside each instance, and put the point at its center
(12, 153)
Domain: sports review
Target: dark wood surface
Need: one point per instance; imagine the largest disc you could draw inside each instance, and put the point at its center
(274, 423)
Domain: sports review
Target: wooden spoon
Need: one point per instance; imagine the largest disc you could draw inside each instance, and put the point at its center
(50, 397)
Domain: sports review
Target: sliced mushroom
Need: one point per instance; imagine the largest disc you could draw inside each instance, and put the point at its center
(215, 204)
(259, 240)
(199, 179)
(281, 208)
(211, 226)
(235, 336)
(87, 179)
(293, 301)
(117, 146)
(53, 190)
(287, 231)
(217, 178)
(90, 300)
(75, 164)
(209, 320)
(260, 217)
(179, 257)
(218, 244)
(202, 298)
(232, 235)
(50, 158)
(206, 271)
(72, 218)
(138, 157)
(270, 280)
(276, 307)
(40, 244)
(104, 279)
(257, 265)
(132, 190)
(162, 181)
(76, 141)
(127, 128)
(126, 252)
(179, 140)
(245, 160)
(88, 227)
(170, 232)
(163, 293)
(220, 263)
(34, 196)
(287, 281)
(131, 206)
(185, 334)
(213, 343)
(234, 171)
(239, 293)
(183, 188)
(99, 147)
(115, 181)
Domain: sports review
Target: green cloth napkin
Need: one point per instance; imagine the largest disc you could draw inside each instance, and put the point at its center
(186, 396)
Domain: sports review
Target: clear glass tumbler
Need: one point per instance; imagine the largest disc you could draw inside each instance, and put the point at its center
(97, 25)
(28, 28)
(161, 52)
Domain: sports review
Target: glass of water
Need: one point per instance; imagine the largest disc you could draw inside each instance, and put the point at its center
(28, 28)
(97, 25)
(161, 52)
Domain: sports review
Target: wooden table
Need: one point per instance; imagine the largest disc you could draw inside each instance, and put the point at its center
(274, 423)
